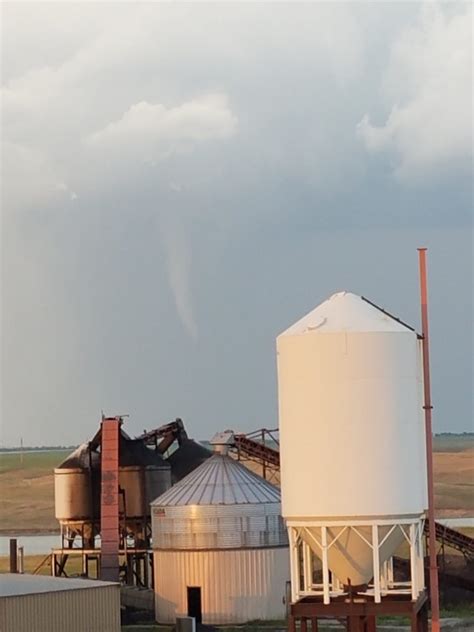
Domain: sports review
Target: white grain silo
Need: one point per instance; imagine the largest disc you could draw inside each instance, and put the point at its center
(220, 547)
(353, 467)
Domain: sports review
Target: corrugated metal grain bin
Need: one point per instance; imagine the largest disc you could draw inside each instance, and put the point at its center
(233, 586)
(32, 603)
(220, 546)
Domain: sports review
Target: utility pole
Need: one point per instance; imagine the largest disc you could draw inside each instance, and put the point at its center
(434, 589)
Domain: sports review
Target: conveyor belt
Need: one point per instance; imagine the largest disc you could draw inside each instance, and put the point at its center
(256, 450)
(449, 579)
(456, 540)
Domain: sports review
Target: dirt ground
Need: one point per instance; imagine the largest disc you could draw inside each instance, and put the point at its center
(454, 483)
(27, 491)
(27, 488)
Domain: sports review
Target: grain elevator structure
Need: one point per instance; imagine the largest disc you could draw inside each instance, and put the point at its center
(353, 462)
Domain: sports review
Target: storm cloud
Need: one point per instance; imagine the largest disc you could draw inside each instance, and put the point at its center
(181, 182)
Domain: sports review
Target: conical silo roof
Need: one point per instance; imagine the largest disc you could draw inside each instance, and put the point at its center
(132, 452)
(220, 480)
(81, 458)
(345, 311)
(219, 505)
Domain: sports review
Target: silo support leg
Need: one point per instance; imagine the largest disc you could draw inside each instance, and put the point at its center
(303, 625)
(370, 624)
(129, 570)
(85, 565)
(356, 623)
(291, 623)
(145, 572)
(423, 619)
(314, 624)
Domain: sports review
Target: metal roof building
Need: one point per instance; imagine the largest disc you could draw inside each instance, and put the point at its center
(50, 604)
(220, 531)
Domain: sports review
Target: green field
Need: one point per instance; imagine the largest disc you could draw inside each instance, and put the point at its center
(453, 443)
(34, 460)
(27, 491)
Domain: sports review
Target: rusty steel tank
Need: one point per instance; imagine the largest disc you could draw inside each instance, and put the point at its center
(77, 486)
(143, 476)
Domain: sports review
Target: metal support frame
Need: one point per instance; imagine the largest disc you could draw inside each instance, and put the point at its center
(135, 555)
(294, 564)
(376, 562)
(324, 553)
(359, 615)
(136, 564)
(304, 544)
(413, 562)
(308, 566)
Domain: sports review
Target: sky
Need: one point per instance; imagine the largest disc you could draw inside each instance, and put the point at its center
(181, 182)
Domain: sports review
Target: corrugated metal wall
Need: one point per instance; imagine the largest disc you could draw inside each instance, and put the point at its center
(82, 610)
(236, 585)
(218, 526)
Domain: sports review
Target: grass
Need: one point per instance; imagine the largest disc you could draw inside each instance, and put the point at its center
(47, 460)
(27, 491)
(453, 443)
(32, 562)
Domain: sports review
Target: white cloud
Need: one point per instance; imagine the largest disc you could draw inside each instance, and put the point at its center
(428, 84)
(200, 119)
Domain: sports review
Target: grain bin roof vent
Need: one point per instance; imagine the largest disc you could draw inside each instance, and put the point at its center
(222, 441)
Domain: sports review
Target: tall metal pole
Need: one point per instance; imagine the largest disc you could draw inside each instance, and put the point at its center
(434, 591)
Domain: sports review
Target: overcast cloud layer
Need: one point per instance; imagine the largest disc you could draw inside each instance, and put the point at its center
(182, 182)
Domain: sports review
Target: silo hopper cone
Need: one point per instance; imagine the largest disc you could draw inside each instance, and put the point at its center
(349, 556)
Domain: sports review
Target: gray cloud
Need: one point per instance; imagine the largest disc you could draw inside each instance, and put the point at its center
(429, 82)
(182, 182)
